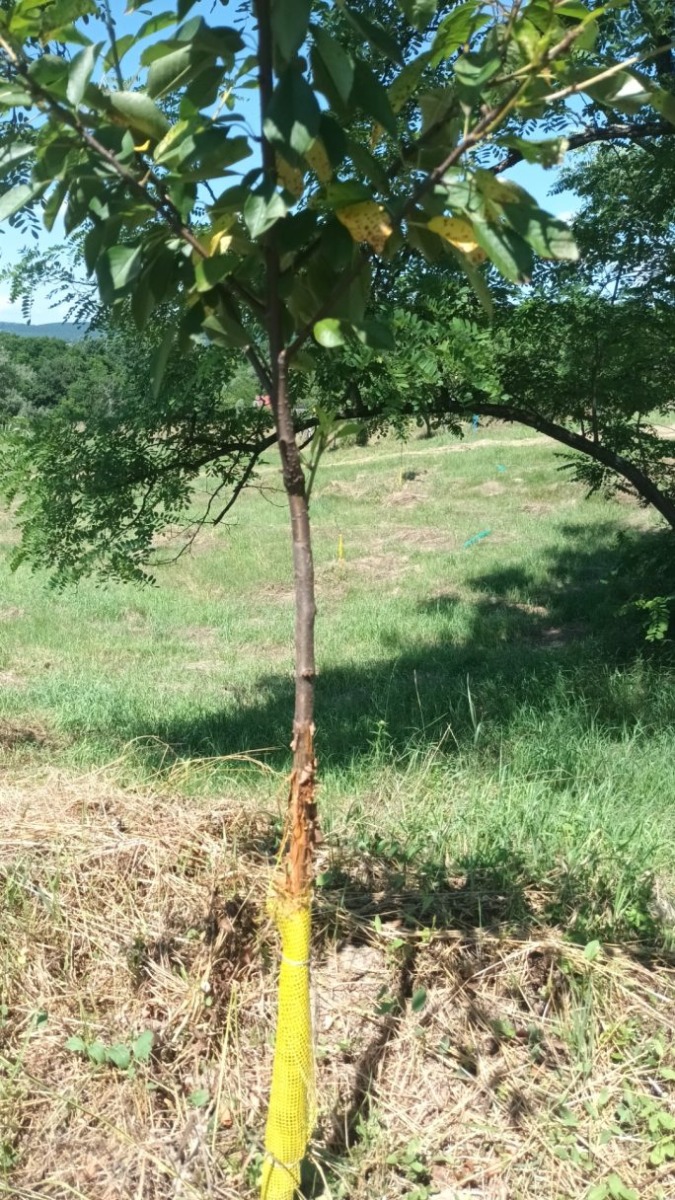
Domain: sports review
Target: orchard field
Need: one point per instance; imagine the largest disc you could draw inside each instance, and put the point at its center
(494, 1004)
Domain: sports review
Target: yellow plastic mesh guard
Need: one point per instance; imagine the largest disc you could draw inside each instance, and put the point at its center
(291, 1109)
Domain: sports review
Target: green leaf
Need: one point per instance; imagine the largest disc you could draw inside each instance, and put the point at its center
(119, 1055)
(473, 71)
(116, 268)
(592, 950)
(548, 236)
(509, 253)
(199, 1098)
(290, 20)
(418, 12)
(13, 153)
(13, 96)
(18, 197)
(337, 63)
(375, 334)
(547, 153)
(139, 112)
(50, 72)
(456, 29)
(292, 119)
(375, 35)
(419, 999)
(330, 333)
(225, 330)
(371, 97)
(211, 271)
(262, 210)
(160, 359)
(96, 1051)
(171, 71)
(599, 1192)
(77, 1045)
(142, 1046)
(405, 83)
(80, 72)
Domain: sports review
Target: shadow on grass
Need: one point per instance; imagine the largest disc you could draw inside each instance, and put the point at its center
(530, 643)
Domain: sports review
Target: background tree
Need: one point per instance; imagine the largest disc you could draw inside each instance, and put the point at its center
(286, 258)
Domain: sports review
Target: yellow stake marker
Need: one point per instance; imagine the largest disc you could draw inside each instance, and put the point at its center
(341, 548)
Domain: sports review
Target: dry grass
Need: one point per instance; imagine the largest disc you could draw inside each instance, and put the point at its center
(451, 1059)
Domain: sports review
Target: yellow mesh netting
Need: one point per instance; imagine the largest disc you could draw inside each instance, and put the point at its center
(291, 1108)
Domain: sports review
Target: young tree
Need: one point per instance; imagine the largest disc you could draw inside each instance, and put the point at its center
(366, 149)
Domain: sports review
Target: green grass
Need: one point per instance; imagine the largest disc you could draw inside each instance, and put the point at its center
(488, 706)
(495, 909)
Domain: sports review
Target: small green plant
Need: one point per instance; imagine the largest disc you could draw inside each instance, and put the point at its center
(657, 614)
(121, 1055)
(644, 1114)
(410, 1164)
(612, 1188)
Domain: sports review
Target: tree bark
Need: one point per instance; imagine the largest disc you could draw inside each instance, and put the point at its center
(301, 829)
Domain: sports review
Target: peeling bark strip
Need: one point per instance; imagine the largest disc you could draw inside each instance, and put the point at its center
(302, 830)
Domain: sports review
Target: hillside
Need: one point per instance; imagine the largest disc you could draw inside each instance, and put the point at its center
(64, 331)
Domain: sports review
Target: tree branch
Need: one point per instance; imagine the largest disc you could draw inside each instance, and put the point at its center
(633, 132)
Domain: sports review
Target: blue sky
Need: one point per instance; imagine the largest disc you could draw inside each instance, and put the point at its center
(536, 180)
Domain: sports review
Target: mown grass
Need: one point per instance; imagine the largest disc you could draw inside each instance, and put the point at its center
(491, 701)
(497, 777)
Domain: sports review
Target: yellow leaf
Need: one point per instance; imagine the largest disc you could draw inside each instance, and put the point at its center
(142, 149)
(220, 243)
(459, 233)
(367, 222)
(319, 162)
(290, 178)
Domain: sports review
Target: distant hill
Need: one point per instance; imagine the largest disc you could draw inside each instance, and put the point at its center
(64, 331)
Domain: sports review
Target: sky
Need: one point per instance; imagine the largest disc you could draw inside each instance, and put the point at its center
(535, 179)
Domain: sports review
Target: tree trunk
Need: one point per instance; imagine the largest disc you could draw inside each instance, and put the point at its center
(290, 1113)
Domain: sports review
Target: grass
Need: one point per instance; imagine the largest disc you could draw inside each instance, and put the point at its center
(496, 752)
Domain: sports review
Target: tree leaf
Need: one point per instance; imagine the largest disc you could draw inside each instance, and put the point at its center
(376, 334)
(456, 29)
(292, 119)
(418, 12)
(330, 333)
(262, 210)
(371, 97)
(80, 72)
(160, 359)
(375, 35)
(337, 62)
(290, 20)
(171, 71)
(18, 197)
(139, 112)
(548, 236)
(13, 153)
(116, 269)
(509, 253)
(367, 222)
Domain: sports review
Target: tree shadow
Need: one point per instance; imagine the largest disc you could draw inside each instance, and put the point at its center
(526, 636)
